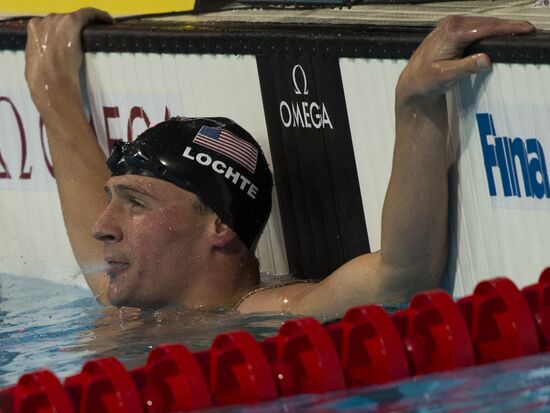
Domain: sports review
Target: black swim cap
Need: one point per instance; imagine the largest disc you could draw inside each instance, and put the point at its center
(215, 159)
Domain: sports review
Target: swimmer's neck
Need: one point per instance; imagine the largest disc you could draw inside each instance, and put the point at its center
(224, 280)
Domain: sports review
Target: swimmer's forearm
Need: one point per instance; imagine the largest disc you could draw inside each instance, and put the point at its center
(78, 161)
(81, 173)
(414, 220)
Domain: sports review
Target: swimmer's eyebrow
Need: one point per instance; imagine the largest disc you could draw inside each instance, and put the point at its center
(122, 189)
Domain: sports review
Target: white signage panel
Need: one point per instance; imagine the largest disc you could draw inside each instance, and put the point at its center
(503, 214)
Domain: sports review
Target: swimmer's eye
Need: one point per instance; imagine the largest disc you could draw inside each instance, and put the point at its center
(135, 203)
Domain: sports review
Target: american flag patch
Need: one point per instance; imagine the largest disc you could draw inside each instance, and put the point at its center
(228, 144)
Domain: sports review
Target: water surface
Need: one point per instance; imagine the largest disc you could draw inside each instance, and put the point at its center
(59, 327)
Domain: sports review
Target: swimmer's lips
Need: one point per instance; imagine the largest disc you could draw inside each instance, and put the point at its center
(116, 267)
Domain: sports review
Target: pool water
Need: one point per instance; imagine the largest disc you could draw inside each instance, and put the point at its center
(59, 327)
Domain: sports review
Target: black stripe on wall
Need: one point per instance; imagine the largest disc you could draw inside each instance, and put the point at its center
(315, 173)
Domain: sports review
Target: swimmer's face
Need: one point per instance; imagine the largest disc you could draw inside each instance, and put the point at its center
(153, 241)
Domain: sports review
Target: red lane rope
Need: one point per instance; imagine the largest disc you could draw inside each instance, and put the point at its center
(368, 346)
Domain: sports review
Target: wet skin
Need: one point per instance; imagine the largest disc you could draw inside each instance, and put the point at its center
(152, 241)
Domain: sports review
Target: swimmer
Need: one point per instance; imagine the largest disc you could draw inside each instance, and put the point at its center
(176, 216)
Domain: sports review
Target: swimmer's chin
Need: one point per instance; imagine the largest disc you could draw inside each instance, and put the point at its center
(129, 300)
(121, 302)
(119, 292)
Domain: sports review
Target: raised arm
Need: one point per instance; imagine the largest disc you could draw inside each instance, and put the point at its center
(414, 248)
(53, 58)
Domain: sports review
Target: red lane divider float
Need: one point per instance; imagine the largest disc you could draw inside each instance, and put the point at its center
(171, 380)
(104, 385)
(367, 346)
(434, 334)
(237, 370)
(370, 348)
(538, 299)
(40, 391)
(500, 322)
(303, 358)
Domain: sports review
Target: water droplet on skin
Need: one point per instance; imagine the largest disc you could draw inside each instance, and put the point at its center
(70, 43)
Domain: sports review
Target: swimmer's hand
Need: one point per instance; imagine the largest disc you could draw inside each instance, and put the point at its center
(53, 56)
(438, 63)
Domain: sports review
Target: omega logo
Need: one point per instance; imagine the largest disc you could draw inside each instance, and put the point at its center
(303, 114)
(297, 90)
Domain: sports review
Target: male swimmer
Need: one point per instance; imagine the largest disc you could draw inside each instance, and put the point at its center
(182, 211)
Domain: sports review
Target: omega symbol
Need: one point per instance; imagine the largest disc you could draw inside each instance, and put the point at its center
(297, 90)
(303, 113)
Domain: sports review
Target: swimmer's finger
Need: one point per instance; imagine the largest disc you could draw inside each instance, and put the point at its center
(90, 15)
(34, 28)
(473, 29)
(32, 25)
(448, 71)
(502, 27)
(32, 41)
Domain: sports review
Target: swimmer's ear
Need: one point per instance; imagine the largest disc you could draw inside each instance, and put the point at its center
(223, 234)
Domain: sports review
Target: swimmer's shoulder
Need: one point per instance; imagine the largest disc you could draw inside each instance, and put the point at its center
(274, 298)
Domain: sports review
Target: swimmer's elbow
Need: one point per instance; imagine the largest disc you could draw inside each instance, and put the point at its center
(401, 281)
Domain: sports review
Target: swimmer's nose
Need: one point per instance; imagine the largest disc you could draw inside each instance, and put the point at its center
(106, 227)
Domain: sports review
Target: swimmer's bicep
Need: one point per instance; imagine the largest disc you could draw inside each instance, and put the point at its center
(360, 281)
